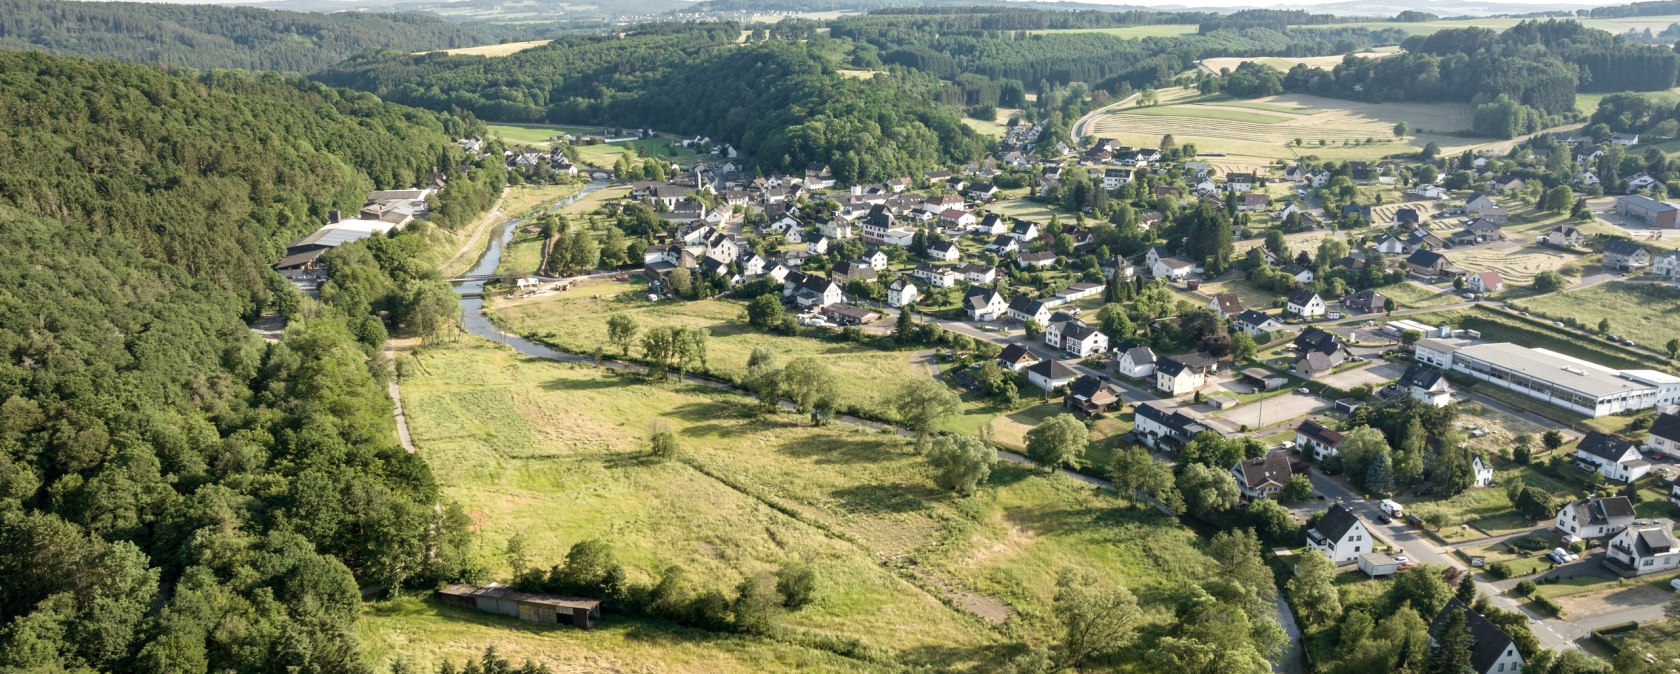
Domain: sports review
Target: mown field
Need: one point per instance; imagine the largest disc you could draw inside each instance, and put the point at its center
(494, 50)
(1517, 266)
(577, 321)
(1159, 30)
(1283, 64)
(1646, 313)
(1499, 327)
(1267, 133)
(1618, 25)
(557, 452)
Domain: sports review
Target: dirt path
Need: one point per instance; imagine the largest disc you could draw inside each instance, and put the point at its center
(395, 391)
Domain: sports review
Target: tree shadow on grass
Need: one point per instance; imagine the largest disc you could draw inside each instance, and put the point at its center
(838, 450)
(1007, 473)
(943, 657)
(591, 384)
(885, 498)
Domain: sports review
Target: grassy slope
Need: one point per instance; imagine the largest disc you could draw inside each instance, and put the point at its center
(555, 451)
(1645, 313)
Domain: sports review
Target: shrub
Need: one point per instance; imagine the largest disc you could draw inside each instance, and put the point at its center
(1525, 588)
(1549, 606)
(1499, 569)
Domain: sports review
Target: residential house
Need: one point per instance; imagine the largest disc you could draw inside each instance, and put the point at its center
(1388, 244)
(1024, 231)
(1492, 650)
(1299, 273)
(984, 304)
(1644, 548)
(1426, 263)
(1023, 309)
(944, 251)
(1239, 182)
(1255, 323)
(1263, 477)
(991, 225)
(1160, 429)
(846, 271)
(1563, 236)
(1613, 457)
(1482, 470)
(848, 314)
(1175, 268)
(1507, 183)
(956, 217)
(1073, 336)
(1664, 436)
(1253, 202)
(982, 192)
(1175, 378)
(1318, 352)
(1430, 191)
(1050, 374)
(815, 292)
(977, 273)
(1004, 245)
(1484, 282)
(902, 292)
(1595, 518)
(1642, 181)
(938, 276)
(1305, 303)
(1038, 260)
(1625, 255)
(1365, 302)
(1226, 305)
(1135, 361)
(1666, 264)
(1479, 203)
(1016, 358)
(1360, 212)
(1426, 384)
(1115, 177)
(1092, 396)
(817, 246)
(1317, 439)
(876, 258)
(1406, 217)
(1341, 535)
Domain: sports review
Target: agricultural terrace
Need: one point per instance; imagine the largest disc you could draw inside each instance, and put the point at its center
(1282, 64)
(494, 50)
(1516, 265)
(557, 452)
(1648, 314)
(1263, 130)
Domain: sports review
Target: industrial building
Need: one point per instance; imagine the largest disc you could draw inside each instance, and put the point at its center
(1570, 383)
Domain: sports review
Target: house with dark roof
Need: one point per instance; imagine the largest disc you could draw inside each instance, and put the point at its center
(1134, 360)
(1341, 535)
(984, 304)
(1595, 518)
(1613, 457)
(1175, 377)
(1646, 547)
(1364, 302)
(1255, 323)
(1492, 651)
(1016, 357)
(1305, 303)
(1023, 309)
(1318, 352)
(1426, 384)
(1317, 439)
(1050, 374)
(1263, 477)
(1426, 263)
(1161, 429)
(1092, 396)
(1625, 255)
(1664, 436)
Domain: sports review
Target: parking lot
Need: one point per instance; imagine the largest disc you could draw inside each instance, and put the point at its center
(1375, 375)
(1274, 410)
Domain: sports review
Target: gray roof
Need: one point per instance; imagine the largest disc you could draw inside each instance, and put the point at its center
(1140, 355)
(1604, 446)
(1273, 467)
(1666, 426)
(1053, 370)
(1489, 641)
(1336, 523)
(1622, 247)
(1420, 376)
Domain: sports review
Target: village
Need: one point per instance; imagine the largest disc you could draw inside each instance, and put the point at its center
(1342, 295)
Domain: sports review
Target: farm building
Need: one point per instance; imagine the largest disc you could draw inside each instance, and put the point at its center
(1649, 211)
(544, 609)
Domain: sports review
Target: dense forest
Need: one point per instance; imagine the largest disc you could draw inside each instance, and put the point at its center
(210, 36)
(177, 495)
(780, 101)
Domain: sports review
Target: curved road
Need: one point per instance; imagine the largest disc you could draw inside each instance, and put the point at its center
(1082, 128)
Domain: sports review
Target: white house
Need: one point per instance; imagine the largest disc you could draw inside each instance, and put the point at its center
(1024, 309)
(1253, 323)
(1075, 337)
(1484, 282)
(1340, 535)
(1595, 517)
(1665, 436)
(938, 276)
(1492, 652)
(1017, 358)
(1175, 268)
(817, 246)
(1050, 374)
(1136, 362)
(1426, 384)
(1306, 304)
(1483, 471)
(1644, 548)
(1175, 378)
(984, 304)
(1024, 231)
(944, 251)
(1614, 458)
(1160, 429)
(1430, 191)
(1262, 477)
(1314, 437)
(1666, 264)
(977, 273)
(901, 293)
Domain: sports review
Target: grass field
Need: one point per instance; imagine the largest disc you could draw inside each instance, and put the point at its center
(1282, 64)
(1515, 265)
(1219, 125)
(601, 155)
(516, 200)
(578, 321)
(1645, 313)
(557, 451)
(1622, 25)
(532, 134)
(496, 49)
(1159, 30)
(1501, 328)
(1411, 295)
(1029, 210)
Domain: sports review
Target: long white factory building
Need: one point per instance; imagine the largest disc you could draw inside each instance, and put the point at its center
(1570, 383)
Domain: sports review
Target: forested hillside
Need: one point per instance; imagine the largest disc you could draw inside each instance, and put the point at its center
(211, 36)
(175, 495)
(781, 101)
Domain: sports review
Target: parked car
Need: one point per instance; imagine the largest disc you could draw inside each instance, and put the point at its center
(1402, 561)
(1303, 391)
(1385, 519)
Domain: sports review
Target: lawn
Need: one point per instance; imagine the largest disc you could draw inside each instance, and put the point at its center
(532, 134)
(1648, 314)
(1410, 295)
(867, 378)
(1027, 209)
(556, 451)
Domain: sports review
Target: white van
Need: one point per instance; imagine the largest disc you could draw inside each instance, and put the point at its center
(1391, 508)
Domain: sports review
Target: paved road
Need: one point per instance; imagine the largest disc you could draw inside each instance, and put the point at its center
(1082, 128)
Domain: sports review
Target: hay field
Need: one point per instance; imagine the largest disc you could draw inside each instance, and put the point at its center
(557, 451)
(1516, 265)
(1282, 64)
(1266, 129)
(1648, 314)
(494, 50)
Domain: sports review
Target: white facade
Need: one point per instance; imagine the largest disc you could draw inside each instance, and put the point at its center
(1643, 548)
(1483, 471)
(1347, 548)
(1564, 381)
(1309, 308)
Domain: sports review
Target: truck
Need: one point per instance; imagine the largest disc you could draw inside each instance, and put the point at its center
(1390, 508)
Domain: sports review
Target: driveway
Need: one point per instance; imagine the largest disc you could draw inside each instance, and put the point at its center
(1374, 375)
